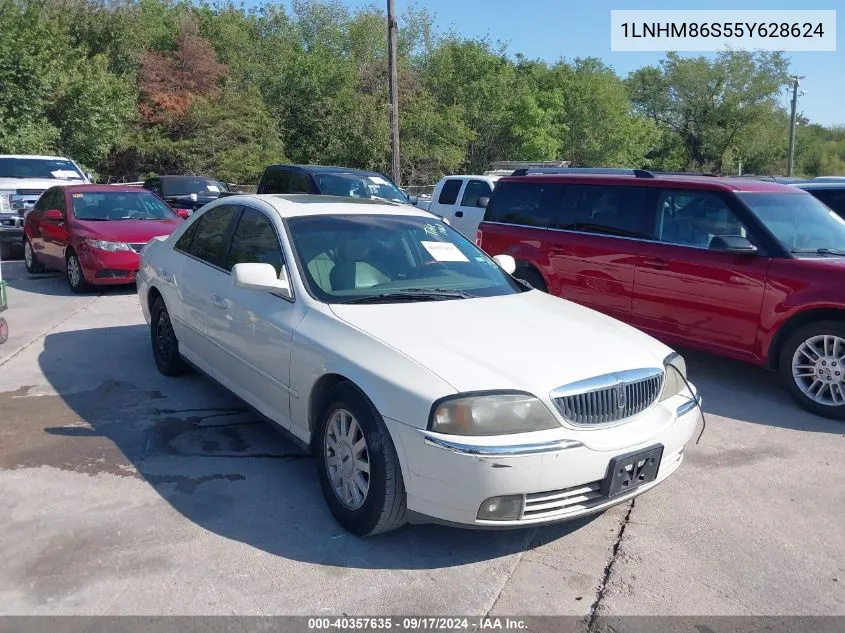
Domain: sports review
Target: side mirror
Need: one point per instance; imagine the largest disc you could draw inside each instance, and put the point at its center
(482, 202)
(732, 244)
(414, 200)
(506, 263)
(262, 277)
(89, 176)
(54, 215)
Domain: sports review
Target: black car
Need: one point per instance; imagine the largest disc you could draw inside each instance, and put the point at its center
(186, 194)
(830, 191)
(330, 181)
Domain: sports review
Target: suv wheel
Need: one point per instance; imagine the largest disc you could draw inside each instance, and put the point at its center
(812, 366)
(357, 465)
(33, 266)
(531, 277)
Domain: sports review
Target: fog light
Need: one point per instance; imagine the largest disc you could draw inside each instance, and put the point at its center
(501, 508)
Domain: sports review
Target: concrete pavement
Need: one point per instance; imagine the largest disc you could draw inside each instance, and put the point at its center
(130, 493)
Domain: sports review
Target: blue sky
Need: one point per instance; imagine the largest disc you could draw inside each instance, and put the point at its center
(550, 29)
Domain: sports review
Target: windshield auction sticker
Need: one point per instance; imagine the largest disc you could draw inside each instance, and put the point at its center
(444, 252)
(704, 30)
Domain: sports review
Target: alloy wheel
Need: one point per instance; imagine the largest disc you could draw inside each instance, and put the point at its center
(27, 254)
(347, 459)
(74, 271)
(818, 368)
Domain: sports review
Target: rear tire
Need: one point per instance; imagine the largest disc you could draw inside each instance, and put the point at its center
(352, 445)
(165, 344)
(75, 275)
(532, 278)
(33, 266)
(812, 368)
(5, 250)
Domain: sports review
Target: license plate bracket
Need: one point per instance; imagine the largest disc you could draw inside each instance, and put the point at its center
(630, 471)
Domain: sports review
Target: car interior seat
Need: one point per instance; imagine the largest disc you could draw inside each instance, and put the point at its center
(350, 269)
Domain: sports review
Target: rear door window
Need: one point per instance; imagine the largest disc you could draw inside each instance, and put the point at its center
(276, 180)
(211, 237)
(526, 204)
(475, 190)
(300, 183)
(449, 192)
(618, 211)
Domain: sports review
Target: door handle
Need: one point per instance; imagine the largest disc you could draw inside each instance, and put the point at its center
(656, 262)
(459, 214)
(218, 302)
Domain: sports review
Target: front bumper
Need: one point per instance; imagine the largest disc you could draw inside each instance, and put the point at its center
(108, 268)
(559, 477)
(11, 229)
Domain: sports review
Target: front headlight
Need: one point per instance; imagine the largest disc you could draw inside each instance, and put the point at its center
(111, 247)
(674, 365)
(493, 414)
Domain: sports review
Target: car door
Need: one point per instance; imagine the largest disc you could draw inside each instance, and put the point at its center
(55, 234)
(445, 200)
(255, 328)
(468, 214)
(688, 294)
(199, 277)
(594, 255)
(33, 228)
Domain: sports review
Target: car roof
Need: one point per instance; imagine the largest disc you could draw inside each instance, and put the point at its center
(33, 156)
(824, 184)
(663, 180)
(304, 204)
(330, 169)
(103, 188)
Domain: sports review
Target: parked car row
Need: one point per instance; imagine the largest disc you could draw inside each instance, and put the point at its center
(748, 269)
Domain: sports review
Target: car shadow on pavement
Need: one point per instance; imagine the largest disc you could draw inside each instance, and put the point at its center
(737, 390)
(214, 461)
(51, 283)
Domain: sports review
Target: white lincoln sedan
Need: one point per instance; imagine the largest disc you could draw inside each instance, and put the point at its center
(429, 384)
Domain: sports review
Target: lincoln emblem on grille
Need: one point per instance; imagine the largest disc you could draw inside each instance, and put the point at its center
(620, 397)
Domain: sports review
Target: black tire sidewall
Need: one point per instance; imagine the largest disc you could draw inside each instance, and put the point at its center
(796, 339)
(532, 277)
(172, 365)
(364, 520)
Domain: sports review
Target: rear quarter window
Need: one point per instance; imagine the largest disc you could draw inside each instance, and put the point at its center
(275, 180)
(525, 204)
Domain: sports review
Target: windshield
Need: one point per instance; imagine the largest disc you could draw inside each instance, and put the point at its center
(798, 220)
(352, 186)
(119, 205)
(39, 168)
(351, 257)
(187, 186)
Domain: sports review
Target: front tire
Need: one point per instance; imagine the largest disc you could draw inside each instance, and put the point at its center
(165, 344)
(812, 367)
(33, 266)
(532, 278)
(75, 275)
(358, 467)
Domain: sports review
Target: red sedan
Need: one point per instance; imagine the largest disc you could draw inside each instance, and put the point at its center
(94, 233)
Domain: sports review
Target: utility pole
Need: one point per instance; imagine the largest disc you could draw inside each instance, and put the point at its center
(393, 81)
(796, 80)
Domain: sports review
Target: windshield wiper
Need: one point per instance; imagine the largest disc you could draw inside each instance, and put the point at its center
(412, 294)
(835, 252)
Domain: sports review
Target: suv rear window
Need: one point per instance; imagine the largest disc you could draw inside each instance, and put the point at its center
(276, 180)
(526, 203)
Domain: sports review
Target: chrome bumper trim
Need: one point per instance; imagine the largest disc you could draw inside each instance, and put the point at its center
(689, 405)
(514, 450)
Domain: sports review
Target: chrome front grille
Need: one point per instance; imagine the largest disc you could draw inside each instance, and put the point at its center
(610, 398)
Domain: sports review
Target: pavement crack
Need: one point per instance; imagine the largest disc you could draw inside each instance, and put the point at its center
(608, 569)
(49, 330)
(529, 545)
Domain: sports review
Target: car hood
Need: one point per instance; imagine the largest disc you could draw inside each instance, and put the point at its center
(531, 341)
(35, 183)
(131, 231)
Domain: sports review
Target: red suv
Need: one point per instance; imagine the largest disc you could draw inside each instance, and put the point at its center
(748, 269)
(94, 233)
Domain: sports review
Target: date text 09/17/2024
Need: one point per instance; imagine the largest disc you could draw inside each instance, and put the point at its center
(417, 623)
